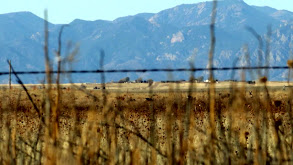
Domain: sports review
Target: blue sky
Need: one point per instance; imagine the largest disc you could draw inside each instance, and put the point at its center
(65, 11)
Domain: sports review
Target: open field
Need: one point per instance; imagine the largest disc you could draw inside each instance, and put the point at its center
(138, 124)
(162, 87)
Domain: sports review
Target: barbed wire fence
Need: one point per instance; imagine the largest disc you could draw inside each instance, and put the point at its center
(105, 71)
(147, 70)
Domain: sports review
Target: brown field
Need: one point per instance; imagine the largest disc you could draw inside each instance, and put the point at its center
(165, 123)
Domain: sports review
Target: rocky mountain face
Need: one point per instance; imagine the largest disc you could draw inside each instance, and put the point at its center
(172, 38)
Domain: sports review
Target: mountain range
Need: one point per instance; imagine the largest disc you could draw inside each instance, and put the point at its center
(172, 38)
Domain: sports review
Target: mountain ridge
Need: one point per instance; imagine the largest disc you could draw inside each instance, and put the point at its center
(167, 39)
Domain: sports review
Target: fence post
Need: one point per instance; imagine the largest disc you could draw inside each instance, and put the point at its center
(9, 74)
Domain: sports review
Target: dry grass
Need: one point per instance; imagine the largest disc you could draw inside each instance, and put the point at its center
(142, 128)
(155, 123)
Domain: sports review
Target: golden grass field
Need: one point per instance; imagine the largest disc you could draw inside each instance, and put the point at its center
(136, 124)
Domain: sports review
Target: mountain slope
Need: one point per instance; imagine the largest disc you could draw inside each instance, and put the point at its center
(168, 39)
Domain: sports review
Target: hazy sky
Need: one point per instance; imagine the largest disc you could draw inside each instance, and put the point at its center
(65, 11)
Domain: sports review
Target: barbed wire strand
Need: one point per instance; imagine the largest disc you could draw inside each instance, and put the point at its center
(148, 70)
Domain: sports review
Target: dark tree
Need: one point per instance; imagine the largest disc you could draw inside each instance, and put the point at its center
(124, 80)
(139, 80)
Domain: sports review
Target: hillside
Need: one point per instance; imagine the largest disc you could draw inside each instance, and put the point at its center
(168, 39)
